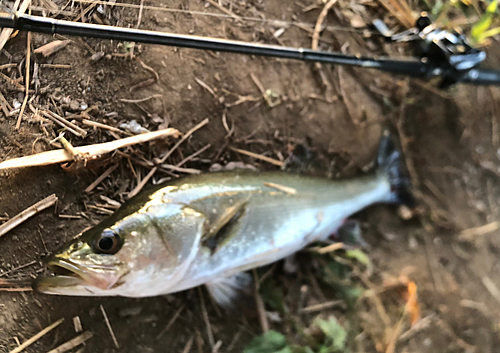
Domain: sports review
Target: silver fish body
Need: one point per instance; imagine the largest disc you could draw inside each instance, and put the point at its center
(204, 228)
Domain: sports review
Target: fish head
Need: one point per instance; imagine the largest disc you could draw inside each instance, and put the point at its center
(113, 258)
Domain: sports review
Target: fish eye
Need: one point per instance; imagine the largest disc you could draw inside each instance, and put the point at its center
(108, 242)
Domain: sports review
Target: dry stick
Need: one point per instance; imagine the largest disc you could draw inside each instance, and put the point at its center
(264, 324)
(403, 9)
(55, 66)
(18, 268)
(101, 178)
(223, 9)
(197, 153)
(256, 156)
(329, 248)
(60, 123)
(27, 213)
(6, 66)
(27, 78)
(12, 82)
(206, 319)
(471, 233)
(171, 322)
(140, 14)
(142, 99)
(321, 306)
(187, 348)
(102, 126)
(164, 158)
(75, 342)
(319, 23)
(109, 327)
(395, 13)
(63, 122)
(491, 287)
(37, 336)
(58, 156)
(6, 108)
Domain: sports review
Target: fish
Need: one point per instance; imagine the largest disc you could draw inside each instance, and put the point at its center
(208, 229)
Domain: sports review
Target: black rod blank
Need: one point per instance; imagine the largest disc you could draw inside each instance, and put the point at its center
(413, 68)
(51, 26)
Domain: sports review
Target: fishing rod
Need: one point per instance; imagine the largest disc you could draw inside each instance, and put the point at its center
(441, 53)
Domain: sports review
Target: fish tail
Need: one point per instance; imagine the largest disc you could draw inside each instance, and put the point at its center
(391, 166)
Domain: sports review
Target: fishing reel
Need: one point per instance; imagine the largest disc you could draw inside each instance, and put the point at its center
(447, 54)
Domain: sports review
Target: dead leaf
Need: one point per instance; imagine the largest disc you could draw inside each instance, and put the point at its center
(412, 306)
(52, 47)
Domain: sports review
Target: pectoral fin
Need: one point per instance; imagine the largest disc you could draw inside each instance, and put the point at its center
(222, 212)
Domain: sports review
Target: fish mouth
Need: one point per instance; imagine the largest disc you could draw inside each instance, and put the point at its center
(68, 278)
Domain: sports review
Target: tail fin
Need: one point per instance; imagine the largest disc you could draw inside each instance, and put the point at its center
(391, 164)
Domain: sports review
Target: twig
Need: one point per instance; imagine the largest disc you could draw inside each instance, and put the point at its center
(256, 156)
(320, 307)
(399, 15)
(319, 23)
(139, 17)
(58, 156)
(7, 66)
(6, 108)
(109, 327)
(18, 268)
(55, 66)
(264, 324)
(37, 336)
(65, 123)
(206, 319)
(171, 322)
(283, 188)
(419, 326)
(16, 285)
(142, 99)
(207, 87)
(471, 233)
(101, 178)
(12, 82)
(188, 345)
(75, 342)
(179, 169)
(217, 346)
(223, 9)
(197, 153)
(27, 213)
(164, 158)
(102, 126)
(491, 287)
(329, 248)
(27, 78)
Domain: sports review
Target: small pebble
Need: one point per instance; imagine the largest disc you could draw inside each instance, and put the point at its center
(97, 56)
(74, 105)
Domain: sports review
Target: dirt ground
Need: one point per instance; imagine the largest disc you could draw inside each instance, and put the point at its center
(452, 144)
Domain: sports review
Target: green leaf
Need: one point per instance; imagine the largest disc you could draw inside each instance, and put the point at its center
(360, 256)
(269, 342)
(335, 334)
(477, 31)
